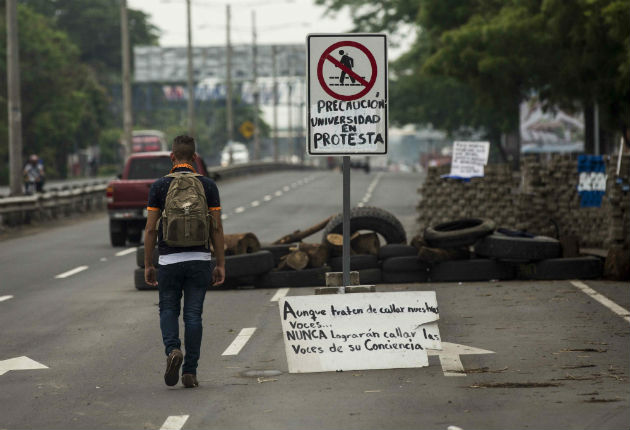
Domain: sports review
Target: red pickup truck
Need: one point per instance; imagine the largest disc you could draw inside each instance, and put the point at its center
(127, 196)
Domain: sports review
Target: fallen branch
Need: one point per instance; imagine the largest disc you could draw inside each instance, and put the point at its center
(298, 235)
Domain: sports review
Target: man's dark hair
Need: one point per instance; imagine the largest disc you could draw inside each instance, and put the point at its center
(184, 147)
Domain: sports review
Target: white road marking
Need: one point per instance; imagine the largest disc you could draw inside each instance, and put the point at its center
(175, 422)
(279, 294)
(71, 272)
(224, 217)
(300, 182)
(103, 259)
(267, 198)
(453, 428)
(449, 357)
(622, 312)
(239, 209)
(255, 203)
(361, 204)
(240, 341)
(370, 190)
(19, 363)
(125, 252)
(286, 188)
(5, 298)
(278, 193)
(293, 185)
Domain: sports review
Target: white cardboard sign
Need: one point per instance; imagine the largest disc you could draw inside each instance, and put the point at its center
(359, 331)
(469, 159)
(347, 94)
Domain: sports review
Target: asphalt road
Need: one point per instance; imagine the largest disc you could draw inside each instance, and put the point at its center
(560, 358)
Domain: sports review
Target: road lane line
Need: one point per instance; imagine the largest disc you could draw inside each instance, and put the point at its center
(71, 272)
(5, 298)
(240, 341)
(239, 210)
(622, 312)
(125, 252)
(224, 216)
(267, 198)
(286, 188)
(175, 422)
(452, 365)
(279, 294)
(255, 203)
(278, 193)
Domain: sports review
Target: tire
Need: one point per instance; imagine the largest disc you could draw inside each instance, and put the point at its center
(536, 248)
(278, 251)
(242, 265)
(138, 278)
(405, 277)
(357, 262)
(369, 218)
(370, 276)
(292, 278)
(117, 233)
(140, 256)
(471, 271)
(562, 269)
(410, 263)
(396, 250)
(458, 233)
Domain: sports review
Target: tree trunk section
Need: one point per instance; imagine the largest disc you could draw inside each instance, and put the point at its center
(296, 260)
(334, 241)
(366, 243)
(317, 253)
(241, 243)
(298, 235)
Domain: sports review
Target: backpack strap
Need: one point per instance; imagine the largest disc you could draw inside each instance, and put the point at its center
(178, 174)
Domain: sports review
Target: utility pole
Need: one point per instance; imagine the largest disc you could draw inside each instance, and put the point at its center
(274, 71)
(228, 84)
(301, 122)
(290, 105)
(14, 105)
(191, 83)
(255, 85)
(126, 76)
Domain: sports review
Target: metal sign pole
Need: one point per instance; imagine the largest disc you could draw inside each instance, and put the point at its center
(345, 256)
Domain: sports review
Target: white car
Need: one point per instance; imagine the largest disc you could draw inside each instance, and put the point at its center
(240, 154)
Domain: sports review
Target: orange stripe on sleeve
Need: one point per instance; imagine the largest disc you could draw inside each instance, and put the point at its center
(149, 208)
(214, 209)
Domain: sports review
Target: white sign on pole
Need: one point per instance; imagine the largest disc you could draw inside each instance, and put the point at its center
(359, 331)
(347, 94)
(469, 159)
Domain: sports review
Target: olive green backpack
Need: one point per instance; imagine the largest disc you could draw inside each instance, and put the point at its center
(185, 218)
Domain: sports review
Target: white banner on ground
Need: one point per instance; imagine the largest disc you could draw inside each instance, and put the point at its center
(359, 331)
(469, 159)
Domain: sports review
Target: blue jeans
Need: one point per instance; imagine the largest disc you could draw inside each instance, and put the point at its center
(191, 278)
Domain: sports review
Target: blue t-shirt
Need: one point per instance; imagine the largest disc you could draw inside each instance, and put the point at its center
(157, 198)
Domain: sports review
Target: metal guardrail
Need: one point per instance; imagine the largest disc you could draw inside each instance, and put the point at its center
(65, 199)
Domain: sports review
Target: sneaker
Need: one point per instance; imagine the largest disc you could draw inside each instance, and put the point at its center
(189, 380)
(173, 363)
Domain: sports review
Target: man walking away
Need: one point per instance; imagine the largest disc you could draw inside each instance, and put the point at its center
(190, 212)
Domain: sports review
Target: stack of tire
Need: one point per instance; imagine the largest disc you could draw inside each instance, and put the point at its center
(241, 270)
(503, 254)
(400, 264)
(380, 221)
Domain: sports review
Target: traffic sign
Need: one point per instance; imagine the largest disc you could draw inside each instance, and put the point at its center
(246, 129)
(347, 94)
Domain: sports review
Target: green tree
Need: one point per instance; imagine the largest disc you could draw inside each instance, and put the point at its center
(63, 106)
(94, 26)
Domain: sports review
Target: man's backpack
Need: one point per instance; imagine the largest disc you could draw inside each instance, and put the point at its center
(185, 218)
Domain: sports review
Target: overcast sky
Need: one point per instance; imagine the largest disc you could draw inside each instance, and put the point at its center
(278, 21)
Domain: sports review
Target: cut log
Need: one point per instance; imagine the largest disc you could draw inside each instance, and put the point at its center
(317, 253)
(241, 243)
(296, 260)
(365, 243)
(298, 235)
(334, 242)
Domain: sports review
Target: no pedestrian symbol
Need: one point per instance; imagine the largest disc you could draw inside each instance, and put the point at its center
(346, 64)
(347, 94)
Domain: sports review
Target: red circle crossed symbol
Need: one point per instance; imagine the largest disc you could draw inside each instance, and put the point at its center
(326, 56)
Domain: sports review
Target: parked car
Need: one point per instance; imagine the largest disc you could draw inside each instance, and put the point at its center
(128, 195)
(240, 154)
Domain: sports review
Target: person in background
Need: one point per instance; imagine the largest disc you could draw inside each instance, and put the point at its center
(33, 175)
